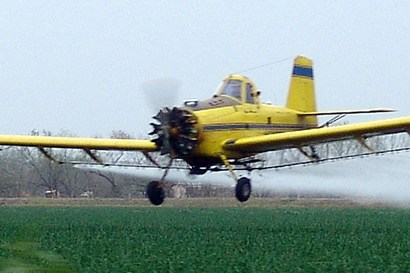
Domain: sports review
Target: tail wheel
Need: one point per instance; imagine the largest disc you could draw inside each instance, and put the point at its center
(243, 189)
(156, 193)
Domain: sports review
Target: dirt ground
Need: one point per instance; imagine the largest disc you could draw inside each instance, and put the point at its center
(196, 202)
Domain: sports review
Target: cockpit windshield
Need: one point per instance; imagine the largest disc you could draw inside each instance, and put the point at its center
(233, 89)
(239, 88)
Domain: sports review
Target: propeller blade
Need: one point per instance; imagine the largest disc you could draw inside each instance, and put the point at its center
(161, 92)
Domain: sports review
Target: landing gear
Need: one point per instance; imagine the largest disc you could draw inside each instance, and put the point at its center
(156, 193)
(243, 189)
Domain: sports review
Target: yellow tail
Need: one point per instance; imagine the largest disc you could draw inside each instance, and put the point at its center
(301, 96)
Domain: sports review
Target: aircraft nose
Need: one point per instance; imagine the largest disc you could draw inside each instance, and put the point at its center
(176, 132)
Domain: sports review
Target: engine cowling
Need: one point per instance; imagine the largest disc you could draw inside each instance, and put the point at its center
(176, 133)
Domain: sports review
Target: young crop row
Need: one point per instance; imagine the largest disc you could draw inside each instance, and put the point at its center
(108, 239)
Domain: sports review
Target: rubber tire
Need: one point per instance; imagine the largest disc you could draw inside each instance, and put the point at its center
(243, 189)
(155, 193)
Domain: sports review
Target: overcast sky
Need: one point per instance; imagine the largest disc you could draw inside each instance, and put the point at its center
(83, 66)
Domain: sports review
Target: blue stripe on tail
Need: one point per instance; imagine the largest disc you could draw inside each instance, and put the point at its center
(302, 71)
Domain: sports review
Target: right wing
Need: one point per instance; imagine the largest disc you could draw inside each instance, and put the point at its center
(78, 143)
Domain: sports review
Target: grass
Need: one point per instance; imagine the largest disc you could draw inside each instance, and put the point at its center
(172, 239)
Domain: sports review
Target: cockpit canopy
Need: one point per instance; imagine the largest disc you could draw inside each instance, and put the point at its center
(234, 90)
(240, 88)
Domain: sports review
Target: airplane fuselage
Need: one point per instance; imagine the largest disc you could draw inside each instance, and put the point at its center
(198, 131)
(222, 124)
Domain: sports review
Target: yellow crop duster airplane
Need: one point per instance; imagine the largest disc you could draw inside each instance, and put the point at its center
(231, 127)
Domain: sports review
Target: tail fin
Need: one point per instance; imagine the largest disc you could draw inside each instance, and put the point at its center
(301, 96)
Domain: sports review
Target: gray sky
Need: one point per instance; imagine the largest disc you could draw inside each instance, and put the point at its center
(82, 65)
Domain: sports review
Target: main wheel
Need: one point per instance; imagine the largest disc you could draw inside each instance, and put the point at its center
(243, 189)
(156, 193)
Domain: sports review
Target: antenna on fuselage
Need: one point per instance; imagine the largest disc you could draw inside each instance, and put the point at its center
(264, 65)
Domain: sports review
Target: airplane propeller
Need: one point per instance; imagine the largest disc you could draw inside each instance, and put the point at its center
(160, 92)
(176, 134)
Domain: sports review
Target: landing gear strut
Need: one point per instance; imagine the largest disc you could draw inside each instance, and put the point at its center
(243, 187)
(156, 192)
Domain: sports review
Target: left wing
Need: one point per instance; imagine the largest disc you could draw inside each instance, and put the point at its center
(297, 139)
(78, 143)
(346, 112)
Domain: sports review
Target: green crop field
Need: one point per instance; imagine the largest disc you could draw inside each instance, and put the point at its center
(172, 239)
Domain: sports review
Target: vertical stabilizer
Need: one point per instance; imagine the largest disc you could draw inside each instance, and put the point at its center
(301, 96)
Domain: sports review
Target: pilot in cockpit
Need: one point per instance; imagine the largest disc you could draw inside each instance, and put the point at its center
(233, 89)
(239, 88)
